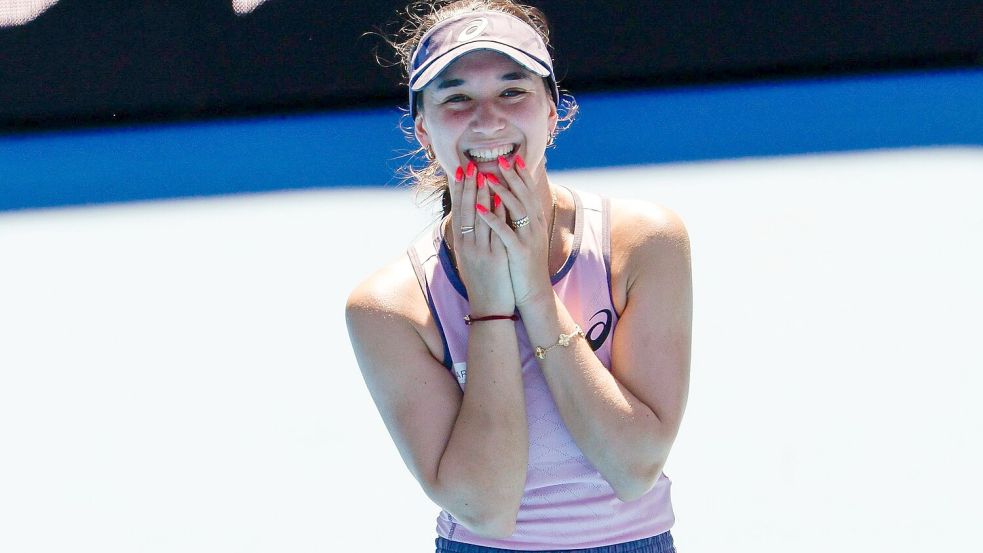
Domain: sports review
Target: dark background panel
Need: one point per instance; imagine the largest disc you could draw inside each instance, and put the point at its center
(96, 62)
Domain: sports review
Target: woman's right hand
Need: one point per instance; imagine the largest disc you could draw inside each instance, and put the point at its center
(480, 254)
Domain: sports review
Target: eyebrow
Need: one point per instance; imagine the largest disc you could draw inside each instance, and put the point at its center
(513, 76)
(449, 83)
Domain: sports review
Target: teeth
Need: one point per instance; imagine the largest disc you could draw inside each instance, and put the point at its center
(490, 154)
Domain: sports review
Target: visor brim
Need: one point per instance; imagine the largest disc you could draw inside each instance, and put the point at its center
(437, 66)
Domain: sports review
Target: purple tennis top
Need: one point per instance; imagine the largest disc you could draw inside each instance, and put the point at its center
(567, 504)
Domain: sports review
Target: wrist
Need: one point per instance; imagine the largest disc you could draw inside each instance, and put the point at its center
(539, 302)
(478, 310)
(470, 319)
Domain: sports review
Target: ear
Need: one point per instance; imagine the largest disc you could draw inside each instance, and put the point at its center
(420, 130)
(553, 117)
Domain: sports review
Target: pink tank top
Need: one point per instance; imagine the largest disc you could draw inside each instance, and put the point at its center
(567, 504)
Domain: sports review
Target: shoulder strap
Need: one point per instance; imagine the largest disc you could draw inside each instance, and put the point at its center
(606, 234)
(421, 278)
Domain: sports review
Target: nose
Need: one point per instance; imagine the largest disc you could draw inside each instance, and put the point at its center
(487, 119)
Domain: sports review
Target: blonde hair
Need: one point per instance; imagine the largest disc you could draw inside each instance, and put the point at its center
(421, 171)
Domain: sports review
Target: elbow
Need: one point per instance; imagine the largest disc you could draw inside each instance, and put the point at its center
(489, 517)
(638, 483)
(492, 525)
(634, 491)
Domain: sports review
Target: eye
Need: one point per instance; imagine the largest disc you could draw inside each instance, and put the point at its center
(514, 93)
(456, 98)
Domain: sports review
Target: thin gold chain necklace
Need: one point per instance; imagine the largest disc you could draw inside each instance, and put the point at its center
(549, 248)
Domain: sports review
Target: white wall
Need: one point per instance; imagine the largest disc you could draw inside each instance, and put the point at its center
(176, 376)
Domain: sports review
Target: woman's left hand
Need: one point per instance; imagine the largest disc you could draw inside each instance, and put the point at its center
(526, 246)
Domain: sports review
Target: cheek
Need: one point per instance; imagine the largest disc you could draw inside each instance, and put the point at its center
(537, 129)
(446, 127)
(444, 134)
(451, 121)
(535, 122)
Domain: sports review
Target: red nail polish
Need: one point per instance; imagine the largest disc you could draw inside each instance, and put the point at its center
(492, 178)
(459, 175)
(497, 200)
(481, 208)
(502, 162)
(481, 180)
(471, 168)
(519, 163)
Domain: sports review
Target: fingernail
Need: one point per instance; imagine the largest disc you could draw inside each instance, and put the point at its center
(471, 168)
(502, 162)
(459, 175)
(518, 161)
(481, 208)
(481, 180)
(497, 200)
(491, 178)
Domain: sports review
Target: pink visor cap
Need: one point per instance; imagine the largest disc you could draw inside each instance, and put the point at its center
(487, 30)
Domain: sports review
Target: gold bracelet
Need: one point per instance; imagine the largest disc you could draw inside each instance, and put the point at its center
(563, 340)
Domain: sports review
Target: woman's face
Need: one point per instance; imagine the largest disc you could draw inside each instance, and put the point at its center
(482, 106)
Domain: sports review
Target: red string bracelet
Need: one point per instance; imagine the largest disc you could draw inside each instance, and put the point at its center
(468, 319)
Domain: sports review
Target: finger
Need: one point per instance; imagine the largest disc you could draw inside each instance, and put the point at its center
(500, 228)
(520, 187)
(514, 207)
(455, 185)
(468, 196)
(498, 208)
(527, 178)
(520, 168)
(481, 230)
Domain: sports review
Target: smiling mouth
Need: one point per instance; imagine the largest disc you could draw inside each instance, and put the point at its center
(484, 155)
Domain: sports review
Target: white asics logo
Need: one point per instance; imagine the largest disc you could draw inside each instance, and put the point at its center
(473, 29)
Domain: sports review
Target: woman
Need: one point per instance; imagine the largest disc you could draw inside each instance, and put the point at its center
(530, 358)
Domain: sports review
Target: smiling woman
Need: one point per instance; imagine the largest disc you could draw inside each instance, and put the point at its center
(422, 20)
(530, 357)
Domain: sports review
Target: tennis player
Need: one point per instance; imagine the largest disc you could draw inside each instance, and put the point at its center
(530, 356)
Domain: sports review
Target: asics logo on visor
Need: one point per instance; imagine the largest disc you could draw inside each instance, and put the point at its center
(473, 30)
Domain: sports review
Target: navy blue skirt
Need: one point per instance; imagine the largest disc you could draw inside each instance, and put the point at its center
(656, 544)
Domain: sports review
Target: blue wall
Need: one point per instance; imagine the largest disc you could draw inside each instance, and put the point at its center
(361, 148)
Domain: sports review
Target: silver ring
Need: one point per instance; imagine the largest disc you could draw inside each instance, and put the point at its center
(520, 223)
(466, 229)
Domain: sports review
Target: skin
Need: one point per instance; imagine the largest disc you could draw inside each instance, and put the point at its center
(469, 449)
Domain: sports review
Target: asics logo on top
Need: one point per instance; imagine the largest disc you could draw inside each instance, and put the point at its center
(473, 30)
(598, 332)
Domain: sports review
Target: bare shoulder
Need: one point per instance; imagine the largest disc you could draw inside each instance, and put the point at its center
(646, 239)
(389, 303)
(638, 223)
(384, 293)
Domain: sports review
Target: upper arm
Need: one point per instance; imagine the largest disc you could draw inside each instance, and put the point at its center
(651, 343)
(416, 395)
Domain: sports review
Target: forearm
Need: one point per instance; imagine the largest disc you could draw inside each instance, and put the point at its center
(482, 472)
(615, 430)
